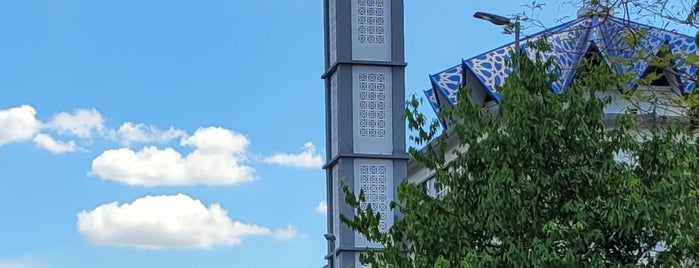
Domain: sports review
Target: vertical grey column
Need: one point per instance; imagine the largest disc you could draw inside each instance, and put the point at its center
(365, 100)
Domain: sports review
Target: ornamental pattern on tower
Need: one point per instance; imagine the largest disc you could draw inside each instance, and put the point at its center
(371, 21)
(336, 205)
(372, 104)
(333, 116)
(332, 24)
(374, 182)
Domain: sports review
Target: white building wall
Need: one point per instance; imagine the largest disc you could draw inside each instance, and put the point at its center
(665, 99)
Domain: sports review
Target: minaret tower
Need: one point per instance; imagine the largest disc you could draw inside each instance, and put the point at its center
(364, 102)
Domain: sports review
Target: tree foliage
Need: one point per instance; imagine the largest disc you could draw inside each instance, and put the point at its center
(537, 184)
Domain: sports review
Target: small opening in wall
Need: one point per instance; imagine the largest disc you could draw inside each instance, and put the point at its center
(591, 61)
(489, 101)
(665, 76)
(662, 79)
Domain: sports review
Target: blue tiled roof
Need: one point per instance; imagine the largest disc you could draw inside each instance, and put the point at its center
(432, 98)
(569, 41)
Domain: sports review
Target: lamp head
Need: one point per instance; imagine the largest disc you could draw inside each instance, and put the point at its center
(492, 18)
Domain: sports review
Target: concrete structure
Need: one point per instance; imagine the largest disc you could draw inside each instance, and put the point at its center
(364, 89)
(365, 96)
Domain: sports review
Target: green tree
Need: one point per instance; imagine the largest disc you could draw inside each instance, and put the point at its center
(538, 184)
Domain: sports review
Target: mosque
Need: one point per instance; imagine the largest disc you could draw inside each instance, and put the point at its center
(365, 93)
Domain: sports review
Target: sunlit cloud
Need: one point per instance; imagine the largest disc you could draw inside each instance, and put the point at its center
(307, 158)
(165, 222)
(48, 143)
(218, 158)
(18, 124)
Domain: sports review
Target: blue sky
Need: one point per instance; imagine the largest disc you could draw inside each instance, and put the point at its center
(183, 133)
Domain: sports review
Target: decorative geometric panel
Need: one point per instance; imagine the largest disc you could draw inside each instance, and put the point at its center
(375, 179)
(332, 25)
(372, 105)
(432, 98)
(684, 45)
(568, 42)
(333, 116)
(372, 114)
(336, 205)
(613, 34)
(448, 82)
(491, 69)
(371, 21)
(371, 30)
(373, 183)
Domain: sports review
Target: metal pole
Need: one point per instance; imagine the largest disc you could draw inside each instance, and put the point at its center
(517, 36)
(517, 48)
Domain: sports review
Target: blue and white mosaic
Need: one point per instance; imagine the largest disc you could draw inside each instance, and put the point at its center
(448, 82)
(491, 68)
(432, 98)
(566, 41)
(569, 42)
(684, 45)
(631, 43)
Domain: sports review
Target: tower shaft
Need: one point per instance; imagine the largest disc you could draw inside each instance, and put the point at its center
(365, 100)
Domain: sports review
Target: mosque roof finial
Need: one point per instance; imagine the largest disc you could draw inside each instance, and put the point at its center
(593, 8)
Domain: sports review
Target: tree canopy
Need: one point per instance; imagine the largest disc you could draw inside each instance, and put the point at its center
(540, 183)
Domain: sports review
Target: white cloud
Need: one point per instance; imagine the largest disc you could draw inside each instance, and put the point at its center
(308, 158)
(285, 234)
(130, 133)
(20, 263)
(82, 123)
(18, 123)
(46, 142)
(216, 140)
(322, 207)
(164, 222)
(217, 159)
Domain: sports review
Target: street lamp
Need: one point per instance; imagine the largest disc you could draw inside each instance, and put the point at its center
(500, 21)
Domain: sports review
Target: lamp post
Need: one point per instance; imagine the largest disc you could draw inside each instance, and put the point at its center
(500, 20)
